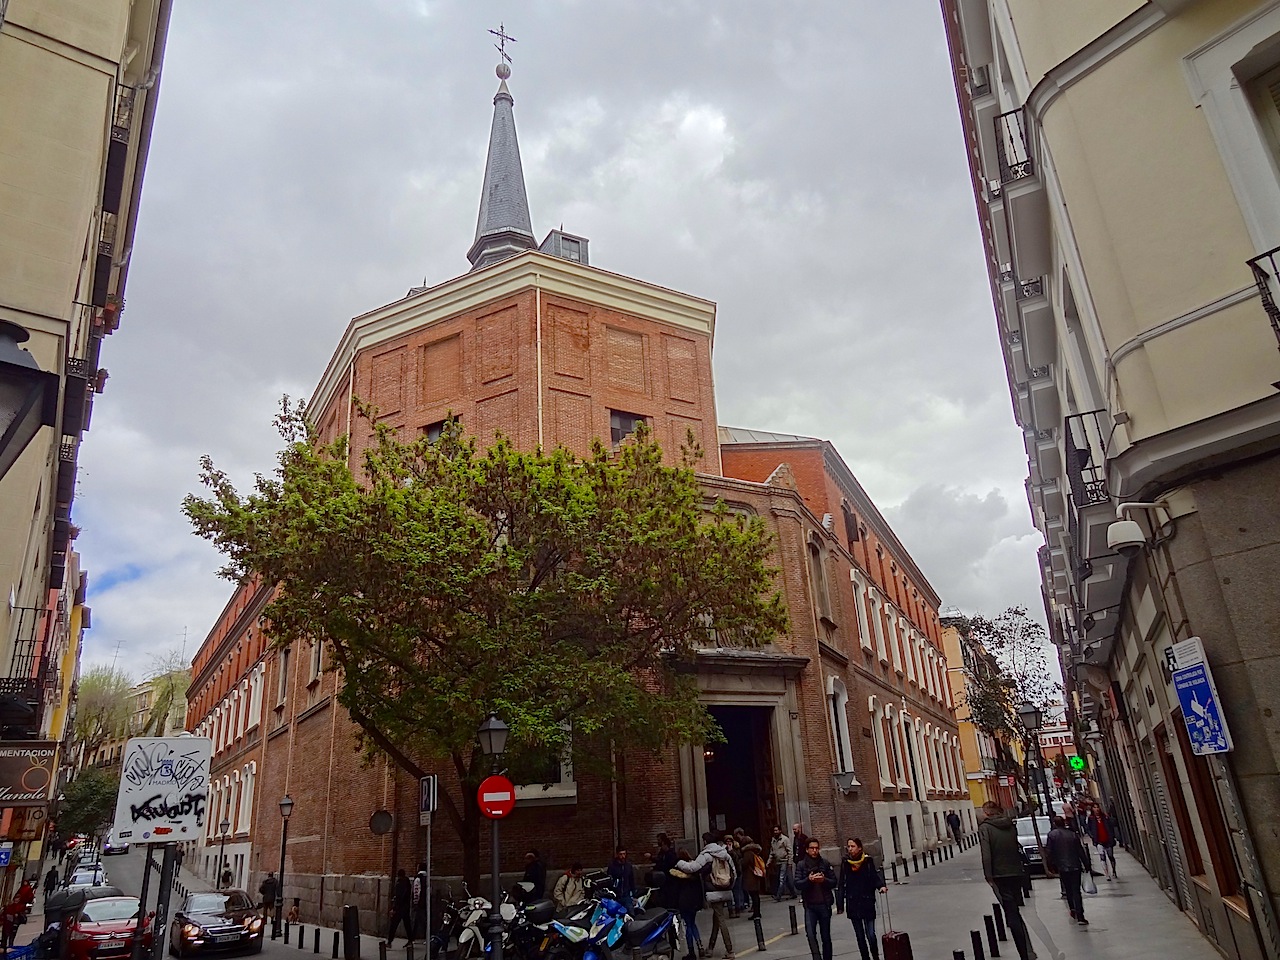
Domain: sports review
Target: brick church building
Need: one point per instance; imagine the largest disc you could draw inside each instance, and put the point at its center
(845, 724)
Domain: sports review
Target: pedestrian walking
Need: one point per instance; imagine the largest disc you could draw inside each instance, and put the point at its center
(267, 891)
(1064, 855)
(860, 880)
(623, 875)
(953, 824)
(1103, 839)
(799, 844)
(689, 896)
(734, 848)
(50, 882)
(715, 860)
(536, 874)
(780, 855)
(753, 874)
(401, 908)
(816, 880)
(569, 889)
(1003, 869)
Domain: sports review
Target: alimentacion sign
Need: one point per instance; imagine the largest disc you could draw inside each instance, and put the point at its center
(164, 789)
(26, 770)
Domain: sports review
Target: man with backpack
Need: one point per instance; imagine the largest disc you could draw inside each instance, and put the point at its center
(719, 878)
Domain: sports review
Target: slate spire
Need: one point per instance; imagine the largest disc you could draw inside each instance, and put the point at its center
(503, 228)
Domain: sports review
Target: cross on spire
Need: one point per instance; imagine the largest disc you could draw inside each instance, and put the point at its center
(501, 45)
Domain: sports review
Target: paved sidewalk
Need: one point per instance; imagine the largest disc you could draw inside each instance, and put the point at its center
(1130, 919)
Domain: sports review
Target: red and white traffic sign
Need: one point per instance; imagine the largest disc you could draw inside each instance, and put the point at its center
(497, 797)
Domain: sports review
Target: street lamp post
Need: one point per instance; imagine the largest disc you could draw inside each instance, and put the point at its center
(286, 808)
(493, 743)
(1029, 715)
(28, 395)
(225, 828)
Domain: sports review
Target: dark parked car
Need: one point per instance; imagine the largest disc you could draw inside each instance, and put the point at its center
(211, 922)
(1032, 855)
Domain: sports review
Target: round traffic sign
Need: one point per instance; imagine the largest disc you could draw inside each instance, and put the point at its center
(381, 822)
(496, 796)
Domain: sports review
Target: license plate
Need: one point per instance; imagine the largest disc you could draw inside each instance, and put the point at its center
(226, 937)
(112, 945)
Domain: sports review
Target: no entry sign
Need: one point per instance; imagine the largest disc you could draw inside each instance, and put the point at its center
(497, 797)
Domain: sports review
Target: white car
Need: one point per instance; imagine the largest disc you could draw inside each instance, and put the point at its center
(89, 876)
(112, 845)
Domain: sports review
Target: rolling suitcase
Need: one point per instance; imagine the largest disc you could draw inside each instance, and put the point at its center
(894, 944)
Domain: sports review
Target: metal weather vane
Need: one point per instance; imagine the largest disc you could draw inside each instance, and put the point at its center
(501, 45)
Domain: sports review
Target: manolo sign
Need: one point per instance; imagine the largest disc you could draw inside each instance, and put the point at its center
(164, 789)
(26, 769)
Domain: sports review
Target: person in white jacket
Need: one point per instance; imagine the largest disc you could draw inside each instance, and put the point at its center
(718, 894)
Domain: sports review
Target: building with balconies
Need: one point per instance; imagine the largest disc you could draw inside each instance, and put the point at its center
(1125, 160)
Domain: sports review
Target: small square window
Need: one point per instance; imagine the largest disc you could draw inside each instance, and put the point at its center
(571, 249)
(433, 431)
(623, 425)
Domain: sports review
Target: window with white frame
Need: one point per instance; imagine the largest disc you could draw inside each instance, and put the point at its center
(877, 625)
(255, 695)
(878, 738)
(550, 781)
(315, 664)
(818, 576)
(860, 610)
(282, 675)
(246, 800)
(838, 698)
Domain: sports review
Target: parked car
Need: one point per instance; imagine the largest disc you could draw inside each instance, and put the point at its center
(1032, 854)
(105, 927)
(93, 875)
(112, 845)
(224, 921)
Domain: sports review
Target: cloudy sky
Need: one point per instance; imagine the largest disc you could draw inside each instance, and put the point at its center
(802, 166)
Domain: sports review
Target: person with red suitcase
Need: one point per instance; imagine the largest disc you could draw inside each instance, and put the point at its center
(856, 896)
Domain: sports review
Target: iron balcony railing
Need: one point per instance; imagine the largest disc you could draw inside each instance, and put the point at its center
(1086, 460)
(1012, 149)
(1266, 274)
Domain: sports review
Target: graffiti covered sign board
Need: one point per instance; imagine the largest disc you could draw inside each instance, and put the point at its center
(26, 770)
(164, 789)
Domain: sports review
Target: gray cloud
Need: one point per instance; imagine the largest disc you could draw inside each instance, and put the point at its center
(309, 164)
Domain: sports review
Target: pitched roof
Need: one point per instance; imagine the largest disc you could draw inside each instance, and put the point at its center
(503, 228)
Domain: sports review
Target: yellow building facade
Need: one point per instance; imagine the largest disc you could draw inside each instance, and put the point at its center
(1125, 161)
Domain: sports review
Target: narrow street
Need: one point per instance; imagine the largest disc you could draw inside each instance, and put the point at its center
(1129, 919)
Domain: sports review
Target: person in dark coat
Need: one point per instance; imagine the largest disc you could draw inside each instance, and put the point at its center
(623, 875)
(50, 882)
(401, 908)
(1003, 868)
(688, 897)
(816, 880)
(535, 873)
(753, 873)
(1064, 855)
(856, 890)
(663, 860)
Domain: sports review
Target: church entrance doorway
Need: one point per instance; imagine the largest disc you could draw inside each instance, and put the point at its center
(741, 788)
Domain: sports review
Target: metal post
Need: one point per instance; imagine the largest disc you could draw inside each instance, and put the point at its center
(975, 938)
(335, 943)
(431, 816)
(998, 913)
(957, 955)
(495, 916)
(894, 867)
(284, 840)
(759, 935)
(142, 902)
(302, 938)
(160, 923)
(791, 908)
(286, 933)
(316, 949)
(382, 950)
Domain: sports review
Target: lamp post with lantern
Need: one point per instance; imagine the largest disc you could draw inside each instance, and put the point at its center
(286, 808)
(1029, 715)
(224, 828)
(493, 743)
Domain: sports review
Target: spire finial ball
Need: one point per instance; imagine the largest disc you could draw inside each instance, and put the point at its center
(503, 71)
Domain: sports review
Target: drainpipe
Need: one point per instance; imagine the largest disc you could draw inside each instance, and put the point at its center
(537, 295)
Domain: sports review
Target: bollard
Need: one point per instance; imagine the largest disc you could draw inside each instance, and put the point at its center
(894, 867)
(759, 935)
(998, 912)
(336, 936)
(350, 932)
(976, 939)
(317, 946)
(915, 864)
(302, 937)
(992, 945)
(286, 933)
(408, 950)
(957, 955)
(791, 908)
(382, 950)
(906, 870)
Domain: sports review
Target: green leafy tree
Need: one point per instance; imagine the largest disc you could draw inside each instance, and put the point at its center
(566, 595)
(102, 708)
(88, 802)
(169, 683)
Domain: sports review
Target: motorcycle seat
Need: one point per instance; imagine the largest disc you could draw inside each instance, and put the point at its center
(636, 932)
(540, 911)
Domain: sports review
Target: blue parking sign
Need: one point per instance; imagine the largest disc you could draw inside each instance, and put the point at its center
(1202, 712)
(6, 855)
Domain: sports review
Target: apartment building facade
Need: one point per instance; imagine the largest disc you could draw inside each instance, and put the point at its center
(843, 724)
(1124, 162)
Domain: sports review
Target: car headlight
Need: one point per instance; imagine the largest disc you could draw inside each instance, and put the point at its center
(253, 923)
(190, 930)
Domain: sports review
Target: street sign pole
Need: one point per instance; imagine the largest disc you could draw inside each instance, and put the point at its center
(427, 892)
(147, 864)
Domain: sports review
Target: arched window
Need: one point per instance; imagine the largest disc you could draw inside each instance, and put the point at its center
(818, 574)
(838, 697)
